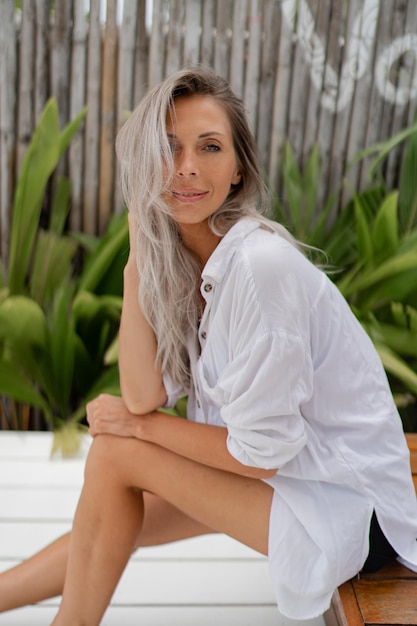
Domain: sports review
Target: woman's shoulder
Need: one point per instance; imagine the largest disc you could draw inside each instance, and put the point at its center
(268, 252)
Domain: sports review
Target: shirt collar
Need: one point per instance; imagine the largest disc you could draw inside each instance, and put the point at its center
(218, 262)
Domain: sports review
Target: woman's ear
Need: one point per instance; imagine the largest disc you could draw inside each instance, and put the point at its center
(237, 177)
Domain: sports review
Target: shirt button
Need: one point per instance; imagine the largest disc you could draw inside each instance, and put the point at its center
(203, 334)
(208, 287)
(198, 404)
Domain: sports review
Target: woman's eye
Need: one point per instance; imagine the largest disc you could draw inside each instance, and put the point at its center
(212, 147)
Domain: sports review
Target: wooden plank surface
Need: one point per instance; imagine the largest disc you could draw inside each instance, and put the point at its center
(387, 602)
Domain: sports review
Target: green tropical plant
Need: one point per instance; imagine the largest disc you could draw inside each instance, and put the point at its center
(297, 210)
(381, 285)
(57, 327)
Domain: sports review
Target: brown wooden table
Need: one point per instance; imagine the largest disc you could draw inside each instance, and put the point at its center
(386, 598)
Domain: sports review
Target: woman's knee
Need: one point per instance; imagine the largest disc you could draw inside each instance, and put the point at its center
(111, 457)
(104, 458)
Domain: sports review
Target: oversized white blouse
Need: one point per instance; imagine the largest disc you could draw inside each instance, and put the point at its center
(284, 365)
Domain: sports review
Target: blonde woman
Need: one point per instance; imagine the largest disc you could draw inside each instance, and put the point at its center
(292, 445)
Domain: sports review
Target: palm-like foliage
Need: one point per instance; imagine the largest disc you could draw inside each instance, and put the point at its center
(57, 327)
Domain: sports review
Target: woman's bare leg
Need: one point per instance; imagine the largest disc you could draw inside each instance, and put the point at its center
(42, 576)
(110, 512)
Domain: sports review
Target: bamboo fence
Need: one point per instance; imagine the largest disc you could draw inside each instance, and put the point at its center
(340, 73)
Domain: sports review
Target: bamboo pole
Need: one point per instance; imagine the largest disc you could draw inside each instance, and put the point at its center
(92, 132)
(208, 34)
(238, 47)
(42, 63)
(157, 47)
(251, 93)
(77, 102)
(192, 32)
(142, 54)
(60, 64)
(108, 117)
(175, 36)
(25, 117)
(8, 70)
(221, 43)
(271, 25)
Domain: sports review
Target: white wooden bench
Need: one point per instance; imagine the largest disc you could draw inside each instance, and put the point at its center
(198, 582)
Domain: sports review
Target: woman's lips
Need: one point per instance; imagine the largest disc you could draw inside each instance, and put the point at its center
(189, 195)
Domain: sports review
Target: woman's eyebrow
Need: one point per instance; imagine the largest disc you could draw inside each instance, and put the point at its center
(202, 136)
(210, 134)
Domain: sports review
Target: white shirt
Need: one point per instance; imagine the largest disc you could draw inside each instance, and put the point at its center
(286, 367)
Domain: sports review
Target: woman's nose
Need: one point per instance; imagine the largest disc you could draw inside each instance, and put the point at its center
(185, 164)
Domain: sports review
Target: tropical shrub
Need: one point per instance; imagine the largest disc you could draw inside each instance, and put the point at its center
(57, 327)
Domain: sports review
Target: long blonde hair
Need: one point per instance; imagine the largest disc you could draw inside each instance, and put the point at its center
(169, 273)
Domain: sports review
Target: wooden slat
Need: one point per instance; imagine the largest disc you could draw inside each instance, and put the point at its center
(271, 25)
(42, 61)
(238, 46)
(156, 62)
(387, 602)
(192, 34)
(222, 42)
(77, 102)
(92, 132)
(25, 115)
(108, 122)
(251, 92)
(8, 72)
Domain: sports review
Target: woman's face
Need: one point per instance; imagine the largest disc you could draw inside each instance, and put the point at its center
(204, 158)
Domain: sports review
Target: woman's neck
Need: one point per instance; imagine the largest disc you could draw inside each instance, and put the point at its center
(200, 241)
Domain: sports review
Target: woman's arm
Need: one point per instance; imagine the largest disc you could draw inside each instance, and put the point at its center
(140, 377)
(203, 443)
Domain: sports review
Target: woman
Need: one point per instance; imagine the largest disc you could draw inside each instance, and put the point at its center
(293, 444)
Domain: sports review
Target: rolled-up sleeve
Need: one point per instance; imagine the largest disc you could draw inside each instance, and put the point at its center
(262, 389)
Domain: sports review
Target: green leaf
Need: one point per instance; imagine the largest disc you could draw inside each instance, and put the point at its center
(398, 287)
(394, 266)
(397, 367)
(111, 252)
(293, 186)
(60, 206)
(69, 131)
(38, 164)
(62, 342)
(385, 228)
(408, 187)
(399, 339)
(398, 313)
(382, 149)
(51, 265)
(311, 180)
(363, 234)
(412, 316)
(107, 382)
(22, 321)
(14, 384)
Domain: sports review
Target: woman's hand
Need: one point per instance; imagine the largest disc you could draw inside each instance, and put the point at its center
(108, 414)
